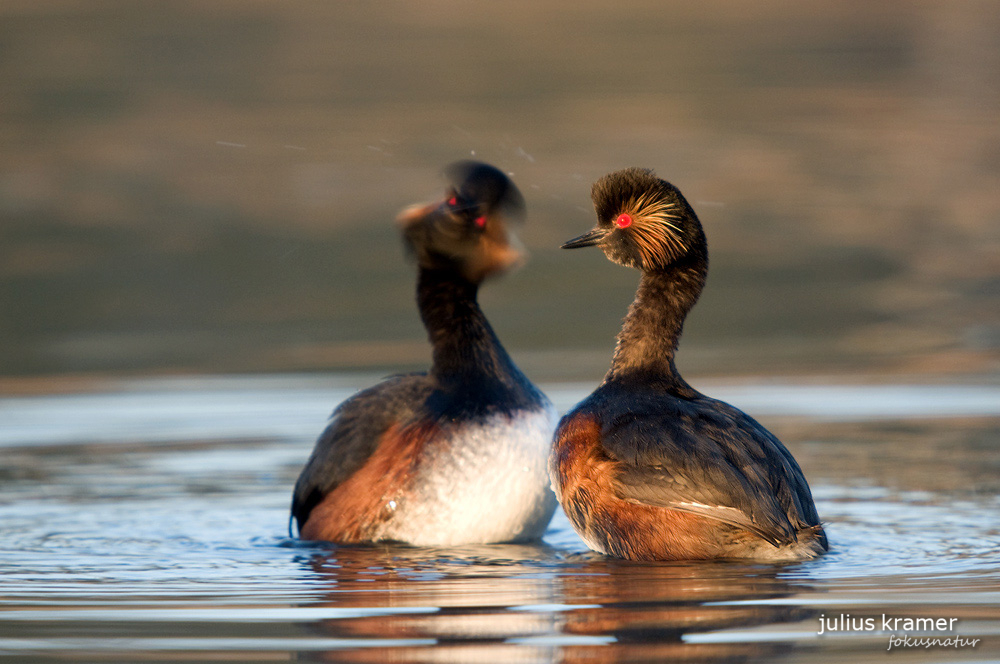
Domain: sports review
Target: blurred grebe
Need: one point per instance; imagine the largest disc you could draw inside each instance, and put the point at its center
(456, 455)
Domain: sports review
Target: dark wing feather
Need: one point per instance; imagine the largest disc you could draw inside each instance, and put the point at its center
(705, 457)
(352, 435)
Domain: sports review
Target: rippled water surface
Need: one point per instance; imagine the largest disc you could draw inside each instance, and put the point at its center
(149, 523)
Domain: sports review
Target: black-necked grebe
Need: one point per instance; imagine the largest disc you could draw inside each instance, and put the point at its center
(646, 467)
(456, 455)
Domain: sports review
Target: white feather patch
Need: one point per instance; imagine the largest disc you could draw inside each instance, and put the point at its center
(482, 484)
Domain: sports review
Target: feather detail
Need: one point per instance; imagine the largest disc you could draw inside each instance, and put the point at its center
(656, 237)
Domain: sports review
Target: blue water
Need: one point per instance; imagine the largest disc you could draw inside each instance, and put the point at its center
(147, 521)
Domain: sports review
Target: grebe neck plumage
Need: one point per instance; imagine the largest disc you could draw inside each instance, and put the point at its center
(469, 361)
(652, 328)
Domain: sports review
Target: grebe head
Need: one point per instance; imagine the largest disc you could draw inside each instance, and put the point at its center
(643, 222)
(467, 231)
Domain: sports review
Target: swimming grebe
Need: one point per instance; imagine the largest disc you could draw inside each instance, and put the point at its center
(646, 467)
(456, 455)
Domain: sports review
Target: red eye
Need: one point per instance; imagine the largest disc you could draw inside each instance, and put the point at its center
(623, 221)
(453, 201)
(480, 221)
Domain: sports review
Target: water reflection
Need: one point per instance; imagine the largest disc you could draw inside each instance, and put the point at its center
(650, 609)
(467, 604)
(425, 576)
(477, 605)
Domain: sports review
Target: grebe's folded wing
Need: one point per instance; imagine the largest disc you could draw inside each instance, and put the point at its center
(354, 432)
(658, 487)
(705, 457)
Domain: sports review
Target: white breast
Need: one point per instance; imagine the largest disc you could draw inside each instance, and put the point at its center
(480, 484)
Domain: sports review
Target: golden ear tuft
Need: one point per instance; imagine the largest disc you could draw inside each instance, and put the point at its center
(656, 237)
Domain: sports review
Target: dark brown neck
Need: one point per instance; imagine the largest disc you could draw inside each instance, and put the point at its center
(653, 326)
(466, 349)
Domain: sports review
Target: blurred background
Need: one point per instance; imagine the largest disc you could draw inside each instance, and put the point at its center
(192, 187)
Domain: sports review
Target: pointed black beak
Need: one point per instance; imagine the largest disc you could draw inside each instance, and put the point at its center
(588, 239)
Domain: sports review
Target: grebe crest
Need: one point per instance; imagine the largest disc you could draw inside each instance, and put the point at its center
(643, 222)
